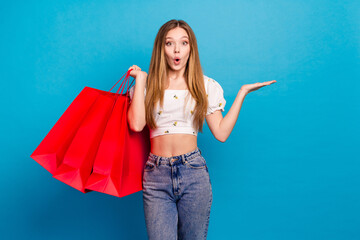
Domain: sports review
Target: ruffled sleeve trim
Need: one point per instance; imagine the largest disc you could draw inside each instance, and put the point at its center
(215, 95)
(131, 92)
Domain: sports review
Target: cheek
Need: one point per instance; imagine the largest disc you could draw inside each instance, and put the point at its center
(167, 53)
(187, 51)
(187, 55)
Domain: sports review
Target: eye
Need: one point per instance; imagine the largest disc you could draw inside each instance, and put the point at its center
(168, 43)
(185, 43)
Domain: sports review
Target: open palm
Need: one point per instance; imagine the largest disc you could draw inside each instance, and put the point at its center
(255, 86)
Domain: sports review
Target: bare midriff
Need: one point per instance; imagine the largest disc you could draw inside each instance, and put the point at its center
(173, 144)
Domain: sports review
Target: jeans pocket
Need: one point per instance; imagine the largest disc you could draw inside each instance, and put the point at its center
(149, 166)
(197, 163)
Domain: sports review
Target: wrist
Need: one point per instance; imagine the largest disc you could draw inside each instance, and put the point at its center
(141, 78)
(143, 74)
(243, 92)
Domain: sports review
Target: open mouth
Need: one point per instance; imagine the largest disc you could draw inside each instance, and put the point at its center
(177, 60)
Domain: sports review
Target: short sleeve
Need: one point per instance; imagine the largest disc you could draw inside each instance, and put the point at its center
(215, 95)
(131, 92)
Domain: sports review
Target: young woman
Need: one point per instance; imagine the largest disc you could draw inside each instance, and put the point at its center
(173, 100)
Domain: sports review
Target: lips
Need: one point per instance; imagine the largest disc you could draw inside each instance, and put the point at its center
(176, 60)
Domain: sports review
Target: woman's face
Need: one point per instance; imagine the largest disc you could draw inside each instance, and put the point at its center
(177, 48)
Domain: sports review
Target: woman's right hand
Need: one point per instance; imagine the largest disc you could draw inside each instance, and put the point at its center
(136, 72)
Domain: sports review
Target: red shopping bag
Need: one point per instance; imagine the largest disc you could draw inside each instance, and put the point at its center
(90, 147)
(117, 170)
(51, 150)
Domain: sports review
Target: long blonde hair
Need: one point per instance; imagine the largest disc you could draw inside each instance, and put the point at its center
(157, 76)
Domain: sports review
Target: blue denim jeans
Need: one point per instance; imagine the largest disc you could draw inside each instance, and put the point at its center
(177, 197)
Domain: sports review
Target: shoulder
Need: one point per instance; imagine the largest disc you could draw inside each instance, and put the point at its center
(211, 84)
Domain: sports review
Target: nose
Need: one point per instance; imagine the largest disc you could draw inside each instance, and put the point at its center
(176, 48)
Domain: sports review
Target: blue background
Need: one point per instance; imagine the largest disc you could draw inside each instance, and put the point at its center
(290, 168)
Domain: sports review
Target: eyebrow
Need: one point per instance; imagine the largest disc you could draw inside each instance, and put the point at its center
(181, 37)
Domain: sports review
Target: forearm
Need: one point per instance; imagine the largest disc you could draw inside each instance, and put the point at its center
(136, 112)
(228, 122)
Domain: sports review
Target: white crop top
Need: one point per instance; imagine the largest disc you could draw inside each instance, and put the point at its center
(176, 116)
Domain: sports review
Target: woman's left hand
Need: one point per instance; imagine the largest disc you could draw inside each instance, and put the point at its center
(255, 86)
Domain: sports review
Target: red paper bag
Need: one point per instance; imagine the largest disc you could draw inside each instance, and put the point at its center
(94, 130)
(116, 170)
(52, 148)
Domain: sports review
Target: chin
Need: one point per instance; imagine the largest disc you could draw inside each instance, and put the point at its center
(177, 68)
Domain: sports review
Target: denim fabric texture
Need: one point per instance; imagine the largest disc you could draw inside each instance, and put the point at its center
(177, 197)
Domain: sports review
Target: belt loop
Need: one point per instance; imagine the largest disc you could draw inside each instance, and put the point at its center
(169, 160)
(183, 159)
(157, 160)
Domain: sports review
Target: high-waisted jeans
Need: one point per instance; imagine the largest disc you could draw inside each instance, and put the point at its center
(177, 197)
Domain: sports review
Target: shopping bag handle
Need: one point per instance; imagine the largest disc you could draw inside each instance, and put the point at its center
(122, 85)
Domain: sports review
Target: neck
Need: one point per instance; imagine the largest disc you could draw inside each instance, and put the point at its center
(175, 75)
